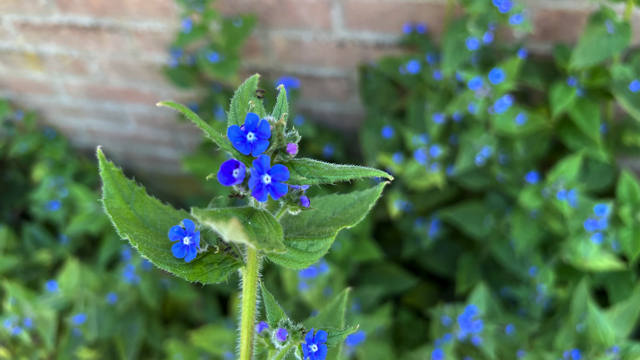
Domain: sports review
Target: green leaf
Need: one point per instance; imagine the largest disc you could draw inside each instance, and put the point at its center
(471, 217)
(566, 170)
(213, 338)
(628, 189)
(314, 172)
(211, 133)
(244, 101)
(332, 316)
(145, 222)
(597, 44)
(454, 48)
(335, 337)
(625, 314)
(272, 308)
(244, 225)
(561, 97)
(468, 274)
(281, 110)
(308, 235)
(599, 329)
(586, 115)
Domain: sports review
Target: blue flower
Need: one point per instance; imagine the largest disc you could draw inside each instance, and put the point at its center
(213, 57)
(289, 82)
(487, 38)
(111, 298)
(79, 319)
(253, 137)
(282, 334)
(398, 157)
(51, 286)
(328, 150)
(603, 224)
(435, 151)
(187, 25)
(609, 25)
(521, 119)
(457, 116)
(413, 67)
(572, 198)
(521, 353)
(597, 238)
(533, 271)
(468, 323)
(437, 354)
(146, 265)
(504, 6)
(232, 172)
(18, 115)
(590, 225)
(532, 177)
(188, 240)
(437, 75)
(304, 201)
(604, 128)
(510, 329)
(387, 132)
(472, 43)
(601, 210)
(27, 322)
(438, 118)
(421, 28)
(407, 28)
(431, 58)
(471, 108)
(475, 84)
(266, 179)
(125, 253)
(53, 205)
(497, 76)
(634, 86)
(421, 156)
(523, 53)
(219, 113)
(129, 274)
(356, 338)
(503, 104)
(298, 120)
(314, 347)
(261, 327)
(572, 81)
(516, 19)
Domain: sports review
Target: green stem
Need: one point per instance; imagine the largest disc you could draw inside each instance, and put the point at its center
(628, 11)
(284, 351)
(250, 277)
(281, 212)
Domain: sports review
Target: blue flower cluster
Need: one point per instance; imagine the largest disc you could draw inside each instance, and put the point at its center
(470, 325)
(570, 196)
(310, 273)
(420, 28)
(599, 223)
(289, 82)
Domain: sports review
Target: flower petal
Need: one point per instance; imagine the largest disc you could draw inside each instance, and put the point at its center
(236, 135)
(179, 250)
(177, 233)
(279, 172)
(264, 130)
(251, 122)
(189, 226)
(321, 337)
(192, 252)
(321, 354)
(277, 190)
(243, 147)
(262, 164)
(196, 239)
(305, 352)
(309, 337)
(260, 193)
(254, 180)
(259, 147)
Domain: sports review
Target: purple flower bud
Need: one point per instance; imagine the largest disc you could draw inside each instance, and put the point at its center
(304, 201)
(281, 335)
(261, 327)
(292, 149)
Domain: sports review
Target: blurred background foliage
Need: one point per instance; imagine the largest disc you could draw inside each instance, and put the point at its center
(510, 230)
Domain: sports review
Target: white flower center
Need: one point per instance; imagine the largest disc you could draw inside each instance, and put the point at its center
(186, 240)
(251, 136)
(313, 348)
(266, 179)
(236, 172)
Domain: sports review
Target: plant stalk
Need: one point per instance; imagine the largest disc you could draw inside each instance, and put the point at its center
(281, 212)
(284, 351)
(628, 11)
(250, 277)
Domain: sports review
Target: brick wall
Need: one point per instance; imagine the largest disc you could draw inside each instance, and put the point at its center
(91, 67)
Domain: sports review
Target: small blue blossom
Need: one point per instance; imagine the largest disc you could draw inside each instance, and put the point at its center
(437, 354)
(219, 113)
(27, 322)
(298, 120)
(314, 347)
(328, 150)
(521, 119)
(533, 271)
(604, 128)
(232, 172)
(472, 43)
(468, 322)
(435, 151)
(289, 82)
(129, 274)
(413, 67)
(125, 253)
(521, 353)
(398, 157)
(421, 28)
(438, 118)
(487, 38)
(572, 198)
(451, 169)
(561, 195)
(504, 6)
(431, 58)
(476, 340)
(590, 225)
(475, 84)
(387, 132)
(603, 224)
(532, 177)
(472, 108)
(213, 57)
(634, 86)
(407, 28)
(597, 238)
(262, 325)
(503, 104)
(79, 319)
(480, 160)
(523, 53)
(16, 331)
(53, 205)
(516, 19)
(497, 76)
(601, 210)
(253, 137)
(445, 320)
(609, 25)
(18, 115)
(304, 201)
(437, 75)
(266, 179)
(356, 338)
(510, 329)
(421, 156)
(111, 298)
(572, 81)
(187, 25)
(188, 240)
(457, 116)
(146, 265)
(51, 286)
(282, 334)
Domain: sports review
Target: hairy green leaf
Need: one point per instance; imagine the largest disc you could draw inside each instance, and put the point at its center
(246, 225)
(308, 235)
(145, 222)
(272, 308)
(281, 110)
(244, 101)
(336, 337)
(313, 172)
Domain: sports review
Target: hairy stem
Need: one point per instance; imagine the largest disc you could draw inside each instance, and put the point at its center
(250, 277)
(281, 212)
(284, 351)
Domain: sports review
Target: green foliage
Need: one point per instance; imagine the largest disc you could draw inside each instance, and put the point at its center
(314, 172)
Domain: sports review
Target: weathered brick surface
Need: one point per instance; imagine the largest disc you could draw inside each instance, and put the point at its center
(153, 9)
(389, 16)
(133, 71)
(283, 14)
(73, 37)
(24, 7)
(111, 93)
(553, 25)
(26, 86)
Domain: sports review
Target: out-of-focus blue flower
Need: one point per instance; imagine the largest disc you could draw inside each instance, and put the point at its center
(413, 67)
(328, 150)
(213, 57)
(111, 298)
(634, 86)
(503, 104)
(27, 322)
(125, 253)
(53, 205)
(187, 25)
(262, 325)
(434, 228)
(590, 225)
(289, 82)
(521, 353)
(18, 115)
(421, 156)
(504, 6)
(437, 75)
(457, 116)
(438, 118)
(407, 28)
(472, 43)
(51, 286)
(487, 38)
(572, 81)
(253, 137)
(129, 274)
(356, 338)
(219, 113)
(604, 128)
(435, 151)
(268, 180)
(472, 108)
(398, 157)
(572, 198)
(521, 119)
(475, 84)
(232, 172)
(79, 319)
(510, 329)
(516, 19)
(387, 132)
(609, 25)
(445, 320)
(469, 323)
(597, 238)
(523, 53)
(437, 354)
(421, 28)
(532, 177)
(298, 120)
(282, 335)
(497, 76)
(533, 271)
(431, 58)
(601, 210)
(451, 169)
(188, 240)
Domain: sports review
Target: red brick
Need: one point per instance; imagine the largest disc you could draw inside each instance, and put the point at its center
(33, 63)
(132, 70)
(283, 14)
(553, 25)
(152, 42)
(89, 39)
(253, 50)
(112, 93)
(23, 7)
(389, 16)
(326, 54)
(341, 89)
(26, 86)
(82, 116)
(120, 8)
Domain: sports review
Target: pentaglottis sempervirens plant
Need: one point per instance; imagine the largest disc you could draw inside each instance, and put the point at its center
(208, 244)
(509, 194)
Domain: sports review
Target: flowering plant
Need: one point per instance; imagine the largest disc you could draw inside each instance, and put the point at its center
(211, 243)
